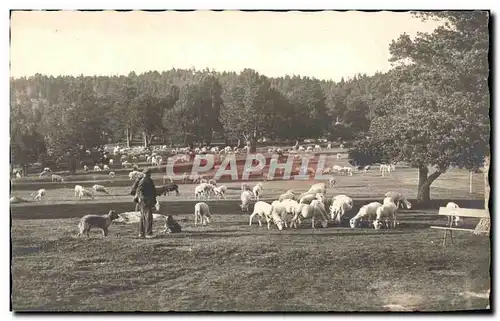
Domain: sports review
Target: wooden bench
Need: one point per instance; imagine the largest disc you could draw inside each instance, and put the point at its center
(462, 212)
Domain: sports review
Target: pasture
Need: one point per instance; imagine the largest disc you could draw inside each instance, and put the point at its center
(230, 266)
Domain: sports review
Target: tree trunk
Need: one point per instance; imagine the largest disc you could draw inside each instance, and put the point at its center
(129, 138)
(145, 139)
(424, 183)
(252, 147)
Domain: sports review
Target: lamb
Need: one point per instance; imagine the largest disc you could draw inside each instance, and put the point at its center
(202, 212)
(278, 213)
(166, 189)
(453, 219)
(100, 188)
(78, 190)
(257, 191)
(398, 198)
(18, 175)
(263, 210)
(103, 222)
(39, 194)
(287, 195)
(167, 178)
(220, 191)
(367, 210)
(112, 174)
(340, 205)
(246, 197)
(57, 178)
(329, 146)
(386, 212)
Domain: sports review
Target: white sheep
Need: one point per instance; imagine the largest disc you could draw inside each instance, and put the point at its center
(97, 168)
(18, 175)
(317, 188)
(331, 182)
(287, 195)
(290, 206)
(212, 181)
(85, 168)
(78, 189)
(307, 198)
(329, 146)
(339, 156)
(278, 213)
(39, 194)
(200, 191)
(346, 171)
(366, 211)
(398, 199)
(262, 210)
(308, 211)
(454, 218)
(57, 178)
(100, 188)
(246, 197)
(257, 191)
(220, 191)
(112, 174)
(111, 161)
(135, 175)
(340, 205)
(87, 193)
(203, 181)
(202, 212)
(245, 187)
(384, 168)
(105, 167)
(386, 212)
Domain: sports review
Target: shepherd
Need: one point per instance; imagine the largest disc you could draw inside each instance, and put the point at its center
(144, 192)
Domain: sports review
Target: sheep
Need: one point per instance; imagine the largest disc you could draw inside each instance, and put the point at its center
(367, 210)
(39, 194)
(166, 179)
(262, 209)
(203, 181)
(331, 182)
(246, 196)
(220, 191)
(366, 168)
(18, 175)
(329, 146)
(317, 188)
(212, 182)
(78, 189)
(166, 189)
(287, 195)
(87, 193)
(105, 167)
(100, 188)
(290, 206)
(306, 198)
(319, 207)
(346, 171)
(245, 187)
(57, 178)
(308, 211)
(199, 191)
(398, 199)
(195, 178)
(112, 174)
(453, 219)
(202, 211)
(337, 168)
(85, 168)
(126, 164)
(340, 205)
(386, 212)
(135, 175)
(111, 161)
(339, 156)
(278, 213)
(97, 168)
(257, 191)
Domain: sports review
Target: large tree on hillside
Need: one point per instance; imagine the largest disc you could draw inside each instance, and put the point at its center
(438, 108)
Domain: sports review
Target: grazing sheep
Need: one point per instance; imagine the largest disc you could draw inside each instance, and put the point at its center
(329, 146)
(16, 200)
(386, 212)
(307, 198)
(171, 225)
(100, 188)
(278, 213)
(339, 156)
(366, 211)
(212, 182)
(111, 161)
(366, 168)
(290, 206)
(453, 219)
(202, 212)
(135, 175)
(340, 205)
(39, 194)
(98, 221)
(78, 189)
(263, 210)
(398, 199)
(246, 197)
(287, 195)
(220, 191)
(257, 191)
(166, 179)
(105, 167)
(126, 164)
(85, 168)
(57, 178)
(308, 211)
(112, 174)
(87, 193)
(97, 168)
(317, 188)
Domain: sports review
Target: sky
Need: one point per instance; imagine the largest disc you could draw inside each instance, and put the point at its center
(324, 45)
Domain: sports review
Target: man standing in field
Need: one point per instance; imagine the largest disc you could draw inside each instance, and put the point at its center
(145, 195)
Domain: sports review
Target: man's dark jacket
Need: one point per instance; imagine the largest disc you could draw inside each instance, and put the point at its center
(144, 188)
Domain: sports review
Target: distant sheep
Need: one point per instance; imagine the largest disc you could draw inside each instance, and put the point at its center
(257, 191)
(220, 191)
(166, 189)
(262, 210)
(39, 194)
(57, 178)
(100, 188)
(112, 174)
(202, 212)
(387, 213)
(366, 211)
(246, 197)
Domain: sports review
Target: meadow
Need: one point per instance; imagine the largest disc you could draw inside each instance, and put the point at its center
(231, 266)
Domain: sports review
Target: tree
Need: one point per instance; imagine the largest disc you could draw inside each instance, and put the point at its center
(438, 108)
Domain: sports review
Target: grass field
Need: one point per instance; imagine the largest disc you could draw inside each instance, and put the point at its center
(230, 266)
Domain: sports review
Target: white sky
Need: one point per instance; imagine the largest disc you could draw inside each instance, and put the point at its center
(327, 45)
